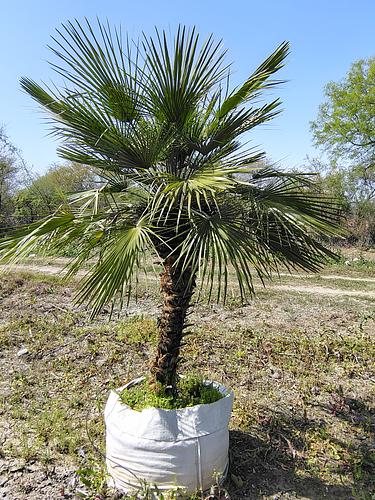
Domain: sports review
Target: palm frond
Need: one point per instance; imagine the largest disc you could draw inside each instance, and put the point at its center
(179, 76)
(33, 238)
(117, 270)
(294, 194)
(257, 82)
(218, 244)
(158, 123)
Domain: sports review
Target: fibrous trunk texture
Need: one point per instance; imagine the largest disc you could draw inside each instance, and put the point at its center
(177, 288)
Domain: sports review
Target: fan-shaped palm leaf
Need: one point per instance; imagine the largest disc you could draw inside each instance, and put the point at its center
(155, 120)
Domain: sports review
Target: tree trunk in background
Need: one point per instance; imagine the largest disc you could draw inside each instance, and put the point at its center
(177, 289)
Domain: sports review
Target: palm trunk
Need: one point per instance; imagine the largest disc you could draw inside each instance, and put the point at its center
(177, 288)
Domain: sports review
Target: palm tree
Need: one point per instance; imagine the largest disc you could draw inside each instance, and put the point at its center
(159, 124)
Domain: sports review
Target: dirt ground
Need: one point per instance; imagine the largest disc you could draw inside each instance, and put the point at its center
(300, 358)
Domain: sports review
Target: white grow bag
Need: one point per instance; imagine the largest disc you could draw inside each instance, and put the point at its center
(185, 448)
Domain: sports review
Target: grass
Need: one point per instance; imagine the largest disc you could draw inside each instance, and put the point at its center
(301, 366)
(349, 263)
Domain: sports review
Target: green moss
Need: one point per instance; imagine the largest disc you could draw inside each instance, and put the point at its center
(191, 391)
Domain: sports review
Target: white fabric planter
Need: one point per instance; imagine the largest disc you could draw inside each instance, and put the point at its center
(185, 448)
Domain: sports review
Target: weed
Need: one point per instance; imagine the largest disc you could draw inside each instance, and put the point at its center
(94, 478)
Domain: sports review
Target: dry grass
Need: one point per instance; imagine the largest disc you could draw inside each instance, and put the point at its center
(301, 365)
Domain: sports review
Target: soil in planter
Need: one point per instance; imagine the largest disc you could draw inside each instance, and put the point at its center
(190, 392)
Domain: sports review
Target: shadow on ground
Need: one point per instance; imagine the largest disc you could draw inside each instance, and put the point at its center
(272, 459)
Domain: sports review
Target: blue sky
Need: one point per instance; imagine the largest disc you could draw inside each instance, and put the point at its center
(325, 36)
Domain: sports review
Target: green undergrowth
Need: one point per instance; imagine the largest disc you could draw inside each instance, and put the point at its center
(302, 367)
(358, 263)
(191, 391)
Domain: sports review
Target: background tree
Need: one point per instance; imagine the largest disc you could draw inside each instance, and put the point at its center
(345, 129)
(45, 193)
(158, 122)
(345, 125)
(9, 180)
